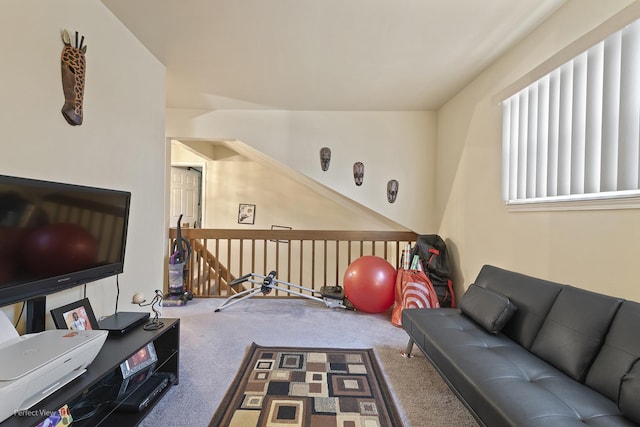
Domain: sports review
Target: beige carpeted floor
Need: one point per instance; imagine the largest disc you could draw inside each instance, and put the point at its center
(213, 345)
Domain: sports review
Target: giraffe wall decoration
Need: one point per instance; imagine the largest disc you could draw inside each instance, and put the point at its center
(74, 65)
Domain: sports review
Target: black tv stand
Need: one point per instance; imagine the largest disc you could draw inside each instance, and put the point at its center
(105, 369)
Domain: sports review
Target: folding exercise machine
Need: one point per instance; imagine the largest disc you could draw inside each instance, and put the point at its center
(331, 296)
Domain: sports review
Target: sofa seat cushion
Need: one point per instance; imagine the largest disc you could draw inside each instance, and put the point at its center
(503, 383)
(574, 330)
(619, 352)
(629, 399)
(489, 309)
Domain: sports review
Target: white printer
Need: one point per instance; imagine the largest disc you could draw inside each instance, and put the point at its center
(34, 366)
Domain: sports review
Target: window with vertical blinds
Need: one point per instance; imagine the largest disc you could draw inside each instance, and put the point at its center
(575, 133)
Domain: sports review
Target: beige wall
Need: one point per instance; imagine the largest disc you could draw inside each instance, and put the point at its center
(120, 144)
(596, 250)
(280, 199)
(392, 145)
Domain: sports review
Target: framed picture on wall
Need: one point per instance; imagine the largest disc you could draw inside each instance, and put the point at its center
(246, 214)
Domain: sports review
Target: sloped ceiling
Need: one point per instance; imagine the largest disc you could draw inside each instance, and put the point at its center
(325, 55)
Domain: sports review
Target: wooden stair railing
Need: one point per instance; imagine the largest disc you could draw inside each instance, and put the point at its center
(203, 267)
(311, 258)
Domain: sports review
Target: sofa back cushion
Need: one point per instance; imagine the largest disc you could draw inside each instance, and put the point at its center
(621, 349)
(574, 330)
(532, 296)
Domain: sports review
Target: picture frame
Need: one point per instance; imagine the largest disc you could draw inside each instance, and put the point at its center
(129, 384)
(75, 316)
(146, 356)
(246, 213)
(280, 227)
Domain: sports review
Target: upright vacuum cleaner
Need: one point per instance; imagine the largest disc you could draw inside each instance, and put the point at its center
(178, 271)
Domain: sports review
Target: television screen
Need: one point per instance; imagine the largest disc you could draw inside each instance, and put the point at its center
(54, 236)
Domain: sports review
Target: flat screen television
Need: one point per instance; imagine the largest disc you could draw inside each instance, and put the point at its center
(55, 236)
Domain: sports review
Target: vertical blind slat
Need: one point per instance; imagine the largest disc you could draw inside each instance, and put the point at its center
(593, 134)
(513, 160)
(543, 138)
(564, 137)
(522, 145)
(554, 133)
(611, 112)
(532, 141)
(628, 149)
(578, 124)
(506, 132)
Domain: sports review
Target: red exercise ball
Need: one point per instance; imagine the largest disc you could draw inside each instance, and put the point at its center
(369, 284)
(59, 249)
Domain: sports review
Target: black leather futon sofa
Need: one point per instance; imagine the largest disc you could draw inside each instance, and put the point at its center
(522, 351)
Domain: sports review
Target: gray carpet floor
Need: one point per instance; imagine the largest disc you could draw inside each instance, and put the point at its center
(213, 346)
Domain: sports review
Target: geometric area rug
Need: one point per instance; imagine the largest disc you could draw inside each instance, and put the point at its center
(297, 387)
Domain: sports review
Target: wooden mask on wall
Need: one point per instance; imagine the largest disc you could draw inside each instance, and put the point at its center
(358, 173)
(74, 66)
(325, 158)
(392, 190)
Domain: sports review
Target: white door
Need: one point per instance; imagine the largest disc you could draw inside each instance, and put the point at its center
(185, 197)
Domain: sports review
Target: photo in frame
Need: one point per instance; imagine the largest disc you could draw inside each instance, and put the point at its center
(76, 316)
(246, 213)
